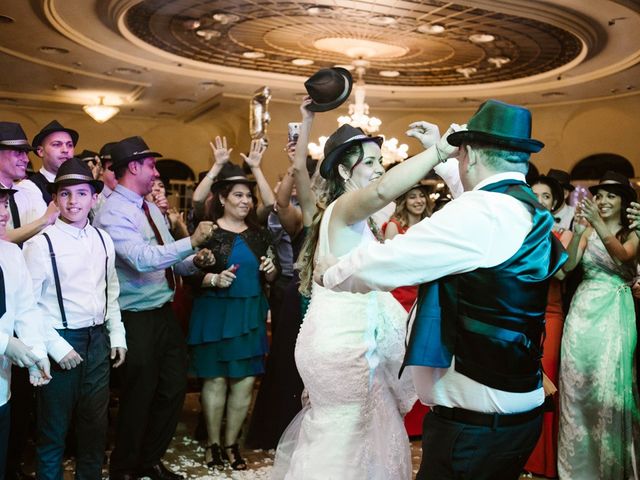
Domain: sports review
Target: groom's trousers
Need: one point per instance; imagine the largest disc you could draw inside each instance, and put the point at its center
(457, 446)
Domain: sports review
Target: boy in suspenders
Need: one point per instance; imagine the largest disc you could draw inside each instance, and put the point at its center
(76, 287)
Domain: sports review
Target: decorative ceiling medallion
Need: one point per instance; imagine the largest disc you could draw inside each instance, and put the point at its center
(429, 41)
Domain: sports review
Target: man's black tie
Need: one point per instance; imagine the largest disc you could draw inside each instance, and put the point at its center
(13, 208)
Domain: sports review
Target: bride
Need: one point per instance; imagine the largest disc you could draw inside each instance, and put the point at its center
(350, 346)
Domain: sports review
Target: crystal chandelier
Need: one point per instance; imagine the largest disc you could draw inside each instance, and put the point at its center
(392, 150)
(100, 112)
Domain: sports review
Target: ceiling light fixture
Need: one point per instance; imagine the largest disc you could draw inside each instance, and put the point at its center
(319, 11)
(498, 62)
(431, 29)
(100, 112)
(382, 21)
(481, 38)
(389, 73)
(302, 62)
(192, 24)
(208, 33)
(225, 18)
(467, 72)
(253, 55)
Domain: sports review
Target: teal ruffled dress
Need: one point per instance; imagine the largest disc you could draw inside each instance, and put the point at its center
(227, 333)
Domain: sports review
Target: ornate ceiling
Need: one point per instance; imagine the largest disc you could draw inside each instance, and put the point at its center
(415, 43)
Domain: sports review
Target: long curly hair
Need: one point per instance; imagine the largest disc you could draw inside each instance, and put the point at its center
(327, 191)
(401, 214)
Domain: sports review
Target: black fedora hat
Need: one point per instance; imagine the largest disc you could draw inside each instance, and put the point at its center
(501, 124)
(562, 177)
(554, 185)
(616, 183)
(105, 151)
(87, 156)
(12, 137)
(128, 150)
(74, 172)
(341, 140)
(230, 174)
(328, 88)
(53, 127)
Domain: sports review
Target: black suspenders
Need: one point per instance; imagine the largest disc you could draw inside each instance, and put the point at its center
(56, 277)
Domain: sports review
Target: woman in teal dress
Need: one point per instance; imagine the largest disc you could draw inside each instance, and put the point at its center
(599, 415)
(227, 332)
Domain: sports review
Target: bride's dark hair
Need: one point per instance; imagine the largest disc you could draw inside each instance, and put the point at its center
(327, 192)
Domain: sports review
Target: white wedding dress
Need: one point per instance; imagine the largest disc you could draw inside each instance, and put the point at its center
(349, 351)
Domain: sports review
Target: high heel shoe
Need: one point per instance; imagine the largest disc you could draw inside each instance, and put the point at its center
(218, 456)
(238, 462)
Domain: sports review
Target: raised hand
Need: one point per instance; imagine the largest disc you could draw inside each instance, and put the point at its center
(306, 113)
(427, 133)
(204, 258)
(443, 146)
(220, 152)
(633, 214)
(291, 151)
(589, 211)
(255, 153)
(203, 233)
(161, 202)
(51, 214)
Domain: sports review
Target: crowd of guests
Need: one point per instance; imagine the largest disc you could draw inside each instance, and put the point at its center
(92, 257)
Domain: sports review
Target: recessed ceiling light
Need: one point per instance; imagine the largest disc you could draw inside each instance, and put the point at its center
(253, 55)
(431, 29)
(481, 38)
(53, 50)
(382, 20)
(6, 19)
(192, 24)
(64, 86)
(498, 62)
(225, 18)
(467, 72)
(208, 33)
(319, 11)
(302, 62)
(127, 71)
(389, 73)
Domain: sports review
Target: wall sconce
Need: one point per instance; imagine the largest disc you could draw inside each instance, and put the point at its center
(100, 112)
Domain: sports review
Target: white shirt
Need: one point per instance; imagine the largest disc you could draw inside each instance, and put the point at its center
(565, 215)
(32, 187)
(30, 204)
(80, 258)
(479, 229)
(22, 315)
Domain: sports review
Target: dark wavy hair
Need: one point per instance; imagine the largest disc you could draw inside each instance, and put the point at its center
(216, 210)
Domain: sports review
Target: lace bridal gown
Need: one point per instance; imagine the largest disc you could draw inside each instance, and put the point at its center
(348, 353)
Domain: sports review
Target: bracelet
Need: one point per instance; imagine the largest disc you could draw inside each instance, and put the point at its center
(213, 280)
(440, 159)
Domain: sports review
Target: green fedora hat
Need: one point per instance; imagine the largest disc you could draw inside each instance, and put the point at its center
(500, 124)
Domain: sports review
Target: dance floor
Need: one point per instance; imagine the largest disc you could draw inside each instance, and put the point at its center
(186, 455)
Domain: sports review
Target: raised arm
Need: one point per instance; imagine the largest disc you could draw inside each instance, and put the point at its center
(360, 204)
(221, 156)
(622, 252)
(289, 215)
(253, 160)
(25, 232)
(306, 197)
(578, 243)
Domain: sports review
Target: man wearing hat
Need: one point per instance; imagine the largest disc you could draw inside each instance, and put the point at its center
(489, 253)
(563, 213)
(72, 266)
(28, 212)
(107, 176)
(55, 144)
(147, 258)
(18, 313)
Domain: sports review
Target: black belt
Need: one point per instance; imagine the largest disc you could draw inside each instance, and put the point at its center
(493, 420)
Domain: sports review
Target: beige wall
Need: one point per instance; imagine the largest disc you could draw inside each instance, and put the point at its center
(570, 132)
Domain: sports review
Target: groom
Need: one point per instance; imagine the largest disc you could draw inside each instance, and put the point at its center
(485, 261)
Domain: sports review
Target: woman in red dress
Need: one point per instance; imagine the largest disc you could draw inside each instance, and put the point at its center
(411, 207)
(543, 459)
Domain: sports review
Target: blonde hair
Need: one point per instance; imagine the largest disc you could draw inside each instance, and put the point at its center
(401, 214)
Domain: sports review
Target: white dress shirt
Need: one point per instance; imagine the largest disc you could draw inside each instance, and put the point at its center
(80, 258)
(21, 316)
(30, 204)
(479, 229)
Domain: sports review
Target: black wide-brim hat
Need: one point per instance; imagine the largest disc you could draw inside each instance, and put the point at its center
(339, 142)
(556, 188)
(129, 150)
(616, 183)
(87, 156)
(74, 172)
(53, 127)
(328, 88)
(12, 137)
(500, 124)
(230, 174)
(105, 151)
(563, 177)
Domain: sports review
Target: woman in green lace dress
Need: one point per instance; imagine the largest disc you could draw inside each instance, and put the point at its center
(599, 415)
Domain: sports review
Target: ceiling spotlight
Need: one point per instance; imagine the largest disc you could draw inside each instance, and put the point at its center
(302, 62)
(192, 24)
(481, 38)
(382, 21)
(100, 112)
(431, 29)
(498, 62)
(467, 72)
(253, 55)
(208, 33)
(319, 11)
(389, 73)
(225, 18)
